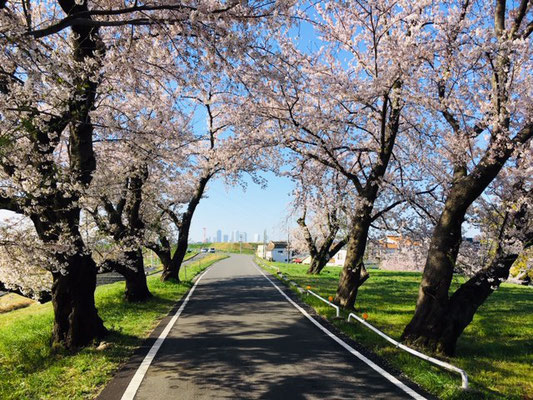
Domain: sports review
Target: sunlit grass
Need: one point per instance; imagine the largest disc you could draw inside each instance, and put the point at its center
(496, 350)
(152, 261)
(30, 370)
(12, 301)
(229, 247)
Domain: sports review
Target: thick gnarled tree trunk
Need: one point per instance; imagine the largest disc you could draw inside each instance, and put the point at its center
(136, 285)
(432, 306)
(132, 269)
(457, 312)
(464, 303)
(439, 320)
(76, 320)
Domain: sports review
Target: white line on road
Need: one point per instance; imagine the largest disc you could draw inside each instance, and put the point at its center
(135, 382)
(370, 363)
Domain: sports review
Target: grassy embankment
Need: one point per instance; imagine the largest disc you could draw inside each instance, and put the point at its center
(12, 301)
(30, 370)
(247, 248)
(496, 349)
(151, 259)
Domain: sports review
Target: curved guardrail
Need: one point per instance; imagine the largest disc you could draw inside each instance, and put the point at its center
(336, 307)
(450, 367)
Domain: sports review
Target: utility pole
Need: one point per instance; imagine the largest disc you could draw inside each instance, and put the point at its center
(264, 243)
(288, 240)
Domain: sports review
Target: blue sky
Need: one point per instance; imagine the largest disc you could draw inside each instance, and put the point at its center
(251, 211)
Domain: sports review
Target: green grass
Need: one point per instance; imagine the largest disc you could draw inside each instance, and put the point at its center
(30, 370)
(245, 248)
(150, 258)
(496, 349)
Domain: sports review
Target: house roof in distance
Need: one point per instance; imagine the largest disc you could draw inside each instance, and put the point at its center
(276, 245)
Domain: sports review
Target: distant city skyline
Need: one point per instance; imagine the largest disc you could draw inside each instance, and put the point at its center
(250, 211)
(235, 237)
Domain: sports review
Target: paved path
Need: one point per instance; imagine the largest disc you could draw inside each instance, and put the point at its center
(239, 338)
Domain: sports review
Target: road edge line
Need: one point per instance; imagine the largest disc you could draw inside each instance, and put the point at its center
(391, 378)
(137, 379)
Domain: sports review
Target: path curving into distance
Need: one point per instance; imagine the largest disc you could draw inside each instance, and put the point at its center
(240, 337)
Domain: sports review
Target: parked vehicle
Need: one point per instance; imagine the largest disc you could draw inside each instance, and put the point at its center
(212, 250)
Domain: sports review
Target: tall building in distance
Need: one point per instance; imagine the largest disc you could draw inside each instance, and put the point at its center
(234, 236)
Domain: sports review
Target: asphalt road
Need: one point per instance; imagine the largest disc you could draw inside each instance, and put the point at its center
(239, 338)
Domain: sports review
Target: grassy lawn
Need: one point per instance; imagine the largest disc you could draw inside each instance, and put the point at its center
(246, 248)
(30, 370)
(496, 350)
(150, 258)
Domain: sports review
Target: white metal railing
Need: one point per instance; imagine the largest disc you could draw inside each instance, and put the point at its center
(336, 307)
(464, 376)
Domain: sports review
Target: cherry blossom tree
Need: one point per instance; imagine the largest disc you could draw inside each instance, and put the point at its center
(54, 55)
(506, 211)
(477, 88)
(217, 149)
(140, 135)
(24, 265)
(342, 106)
(49, 87)
(121, 219)
(320, 201)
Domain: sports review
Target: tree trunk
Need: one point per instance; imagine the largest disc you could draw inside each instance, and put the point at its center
(133, 272)
(354, 273)
(439, 321)
(76, 320)
(173, 269)
(317, 265)
(164, 254)
(468, 298)
(136, 285)
(426, 325)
